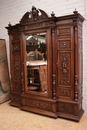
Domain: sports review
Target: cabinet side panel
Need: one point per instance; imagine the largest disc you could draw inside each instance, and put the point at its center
(15, 67)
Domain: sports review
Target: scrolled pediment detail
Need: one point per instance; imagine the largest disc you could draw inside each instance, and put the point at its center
(33, 16)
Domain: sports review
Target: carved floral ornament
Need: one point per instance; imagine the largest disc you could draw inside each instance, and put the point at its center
(34, 15)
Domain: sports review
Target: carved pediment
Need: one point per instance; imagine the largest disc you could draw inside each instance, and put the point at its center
(34, 15)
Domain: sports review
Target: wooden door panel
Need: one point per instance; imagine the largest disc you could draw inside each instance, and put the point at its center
(64, 69)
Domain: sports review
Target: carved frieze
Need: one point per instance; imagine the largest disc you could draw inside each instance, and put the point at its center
(38, 25)
(39, 104)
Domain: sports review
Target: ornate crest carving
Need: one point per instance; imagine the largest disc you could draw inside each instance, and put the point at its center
(33, 15)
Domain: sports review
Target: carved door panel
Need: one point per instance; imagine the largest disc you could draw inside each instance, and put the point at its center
(15, 67)
(15, 57)
(65, 55)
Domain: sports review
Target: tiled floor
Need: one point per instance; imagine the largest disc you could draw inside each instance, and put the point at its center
(12, 118)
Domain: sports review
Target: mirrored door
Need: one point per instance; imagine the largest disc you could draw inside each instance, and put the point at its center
(36, 63)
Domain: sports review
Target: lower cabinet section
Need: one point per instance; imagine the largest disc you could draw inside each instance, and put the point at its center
(72, 110)
(44, 106)
(15, 99)
(49, 107)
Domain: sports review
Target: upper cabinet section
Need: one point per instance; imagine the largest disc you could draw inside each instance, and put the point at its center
(38, 19)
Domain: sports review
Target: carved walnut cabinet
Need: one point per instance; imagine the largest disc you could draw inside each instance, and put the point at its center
(60, 70)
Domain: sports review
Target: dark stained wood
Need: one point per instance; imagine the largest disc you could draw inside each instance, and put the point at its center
(63, 52)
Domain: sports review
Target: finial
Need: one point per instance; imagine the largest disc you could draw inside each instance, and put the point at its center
(9, 24)
(52, 14)
(75, 12)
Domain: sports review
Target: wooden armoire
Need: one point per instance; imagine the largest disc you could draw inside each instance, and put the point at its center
(47, 79)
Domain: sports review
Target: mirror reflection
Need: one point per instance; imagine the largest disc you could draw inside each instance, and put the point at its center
(36, 62)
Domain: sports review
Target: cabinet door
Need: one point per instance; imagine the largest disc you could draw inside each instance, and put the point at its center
(65, 59)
